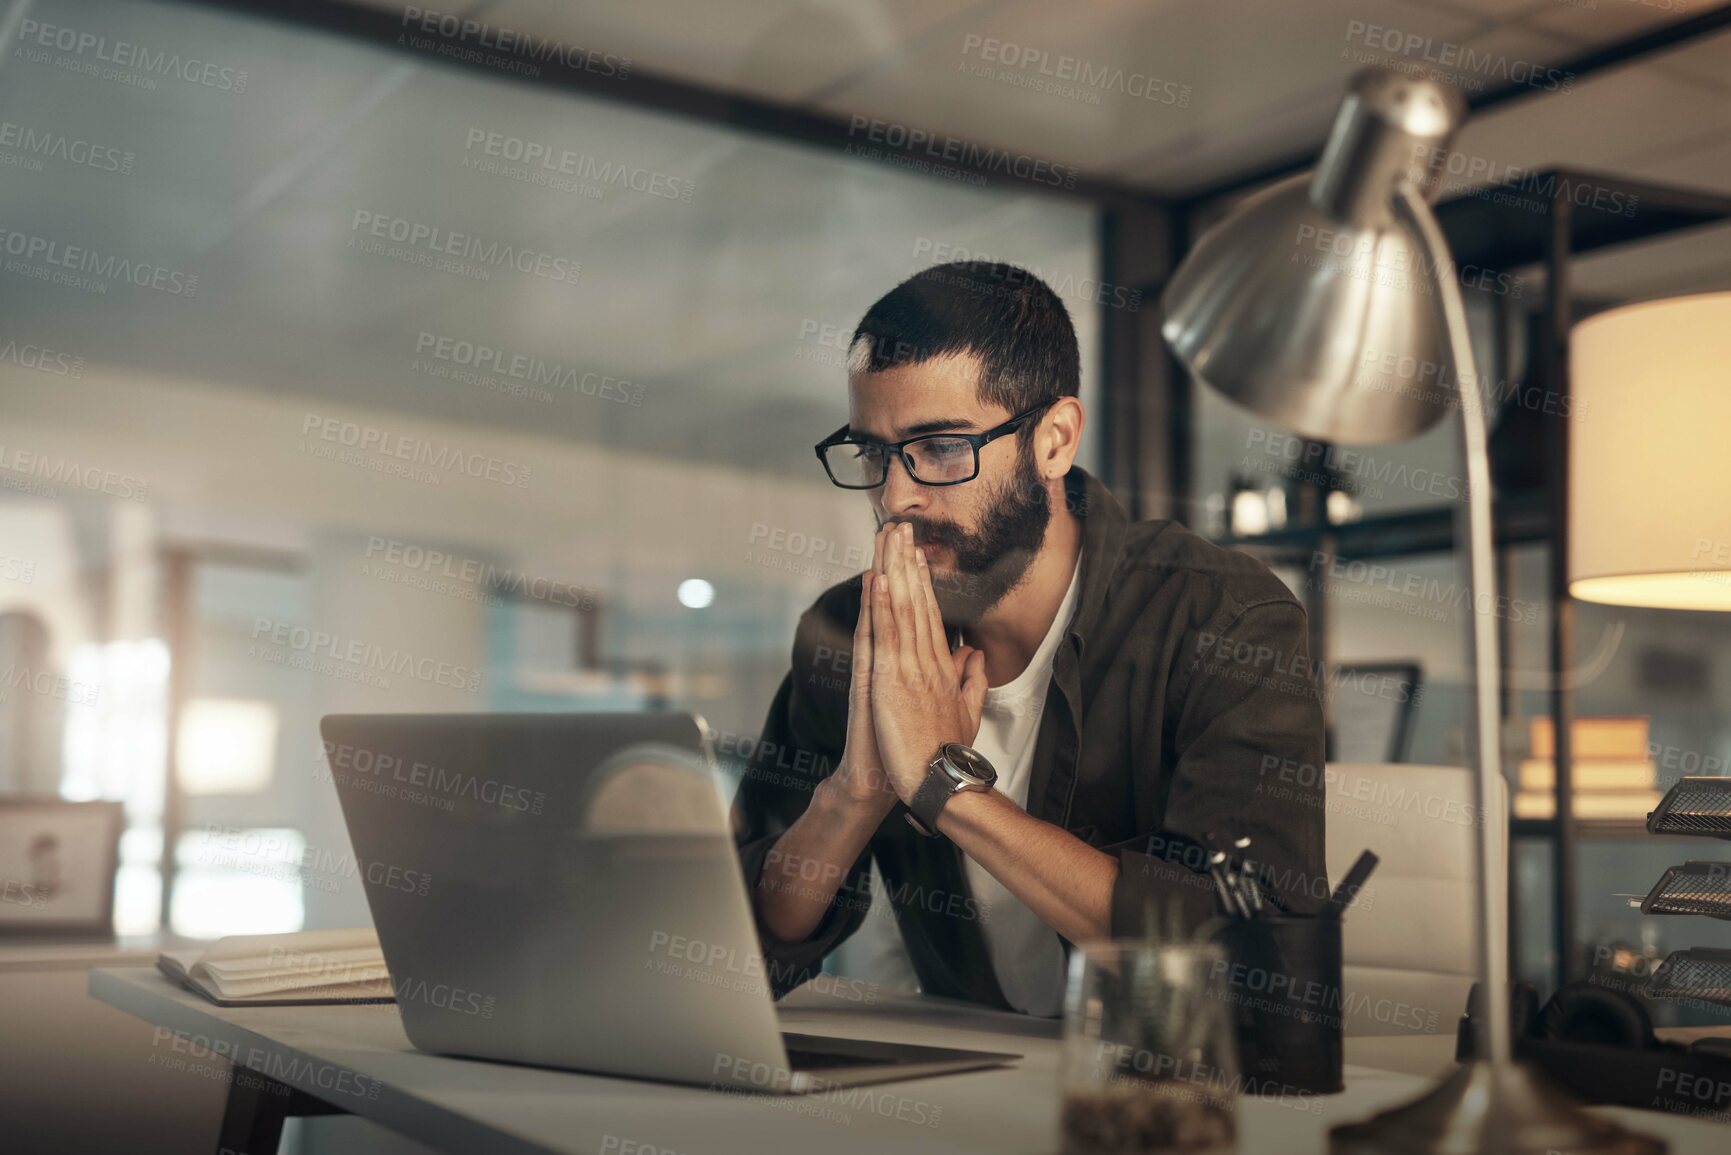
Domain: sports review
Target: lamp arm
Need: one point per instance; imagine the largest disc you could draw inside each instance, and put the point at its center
(1473, 523)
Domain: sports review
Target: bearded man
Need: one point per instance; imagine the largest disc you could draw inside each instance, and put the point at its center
(1035, 717)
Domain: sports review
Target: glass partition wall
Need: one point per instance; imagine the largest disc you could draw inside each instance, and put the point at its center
(392, 386)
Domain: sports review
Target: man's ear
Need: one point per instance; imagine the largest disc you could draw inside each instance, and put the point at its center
(1060, 438)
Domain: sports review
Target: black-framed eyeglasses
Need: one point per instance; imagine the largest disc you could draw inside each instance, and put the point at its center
(930, 459)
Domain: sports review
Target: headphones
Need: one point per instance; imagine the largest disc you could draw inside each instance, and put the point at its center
(1581, 1012)
(1587, 1013)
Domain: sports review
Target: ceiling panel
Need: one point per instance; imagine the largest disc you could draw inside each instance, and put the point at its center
(1705, 62)
(1237, 84)
(1165, 92)
(1601, 118)
(784, 50)
(706, 302)
(1598, 21)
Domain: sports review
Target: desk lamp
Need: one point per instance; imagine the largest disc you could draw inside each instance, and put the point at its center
(1282, 307)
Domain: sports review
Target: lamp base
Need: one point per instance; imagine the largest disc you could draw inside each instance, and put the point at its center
(1490, 1109)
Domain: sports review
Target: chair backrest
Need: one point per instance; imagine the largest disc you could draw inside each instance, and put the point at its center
(1410, 948)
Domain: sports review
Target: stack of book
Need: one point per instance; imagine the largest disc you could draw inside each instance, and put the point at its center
(279, 970)
(1614, 778)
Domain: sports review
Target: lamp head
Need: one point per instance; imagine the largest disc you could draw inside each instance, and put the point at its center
(1309, 304)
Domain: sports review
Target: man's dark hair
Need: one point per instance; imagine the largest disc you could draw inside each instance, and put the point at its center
(1006, 316)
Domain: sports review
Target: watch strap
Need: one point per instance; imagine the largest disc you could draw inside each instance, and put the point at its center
(933, 795)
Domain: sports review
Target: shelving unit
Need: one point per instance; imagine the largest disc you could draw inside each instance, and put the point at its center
(1504, 237)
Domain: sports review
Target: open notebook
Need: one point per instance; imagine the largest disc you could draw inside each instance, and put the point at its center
(311, 967)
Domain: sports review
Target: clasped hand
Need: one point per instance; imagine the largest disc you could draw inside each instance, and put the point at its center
(910, 693)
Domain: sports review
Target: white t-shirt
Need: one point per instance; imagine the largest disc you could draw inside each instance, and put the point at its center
(1026, 955)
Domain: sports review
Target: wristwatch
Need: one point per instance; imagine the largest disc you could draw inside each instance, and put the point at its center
(957, 767)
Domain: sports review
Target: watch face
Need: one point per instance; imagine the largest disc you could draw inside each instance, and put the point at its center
(970, 763)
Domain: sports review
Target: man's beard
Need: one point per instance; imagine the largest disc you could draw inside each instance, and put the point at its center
(993, 560)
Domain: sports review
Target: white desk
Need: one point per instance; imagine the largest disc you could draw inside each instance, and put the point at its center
(359, 1059)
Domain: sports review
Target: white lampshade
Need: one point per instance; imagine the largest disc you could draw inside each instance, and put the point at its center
(1650, 471)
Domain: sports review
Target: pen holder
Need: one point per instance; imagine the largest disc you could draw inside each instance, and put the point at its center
(1283, 980)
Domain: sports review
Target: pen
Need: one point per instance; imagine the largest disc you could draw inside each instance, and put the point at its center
(1251, 882)
(1350, 885)
(1225, 883)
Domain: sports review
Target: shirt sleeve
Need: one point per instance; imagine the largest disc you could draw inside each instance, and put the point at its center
(1249, 714)
(801, 742)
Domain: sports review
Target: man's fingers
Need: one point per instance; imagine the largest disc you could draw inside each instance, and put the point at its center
(884, 641)
(901, 602)
(959, 661)
(974, 689)
(937, 637)
(862, 639)
(915, 568)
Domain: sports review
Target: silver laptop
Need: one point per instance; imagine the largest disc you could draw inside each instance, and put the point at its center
(562, 890)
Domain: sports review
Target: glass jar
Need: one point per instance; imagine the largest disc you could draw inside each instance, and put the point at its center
(1150, 1060)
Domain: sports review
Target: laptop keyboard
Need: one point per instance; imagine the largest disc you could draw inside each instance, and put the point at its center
(801, 1060)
